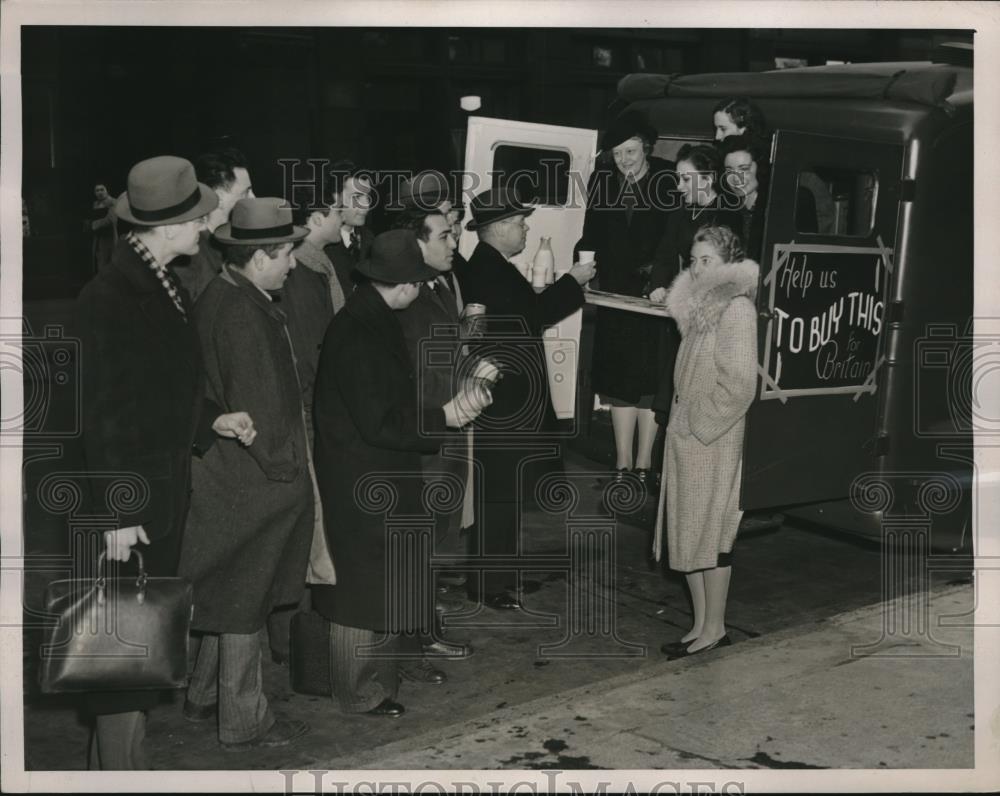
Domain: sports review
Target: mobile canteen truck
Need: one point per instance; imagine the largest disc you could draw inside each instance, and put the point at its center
(865, 405)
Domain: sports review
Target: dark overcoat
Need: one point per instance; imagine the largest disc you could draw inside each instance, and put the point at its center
(623, 225)
(521, 418)
(197, 270)
(368, 423)
(344, 259)
(250, 526)
(143, 411)
(432, 332)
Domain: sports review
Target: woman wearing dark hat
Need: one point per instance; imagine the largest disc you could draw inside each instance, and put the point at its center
(143, 401)
(629, 198)
(371, 429)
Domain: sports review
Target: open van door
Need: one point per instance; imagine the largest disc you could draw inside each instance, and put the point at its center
(550, 167)
(826, 266)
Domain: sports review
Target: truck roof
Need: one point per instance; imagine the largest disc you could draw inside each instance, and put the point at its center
(888, 101)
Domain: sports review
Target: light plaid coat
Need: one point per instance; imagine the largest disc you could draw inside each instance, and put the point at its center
(715, 378)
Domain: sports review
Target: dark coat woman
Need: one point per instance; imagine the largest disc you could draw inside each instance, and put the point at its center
(369, 423)
(624, 223)
(250, 526)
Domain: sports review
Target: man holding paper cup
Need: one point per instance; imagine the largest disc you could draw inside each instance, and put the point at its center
(521, 415)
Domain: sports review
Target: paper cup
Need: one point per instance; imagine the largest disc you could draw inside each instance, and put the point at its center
(486, 371)
(585, 257)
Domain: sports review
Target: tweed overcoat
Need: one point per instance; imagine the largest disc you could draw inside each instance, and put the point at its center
(369, 423)
(250, 526)
(715, 378)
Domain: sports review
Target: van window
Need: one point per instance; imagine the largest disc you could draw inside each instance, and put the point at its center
(835, 201)
(541, 176)
(667, 148)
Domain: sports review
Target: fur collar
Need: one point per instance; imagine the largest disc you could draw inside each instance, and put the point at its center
(700, 304)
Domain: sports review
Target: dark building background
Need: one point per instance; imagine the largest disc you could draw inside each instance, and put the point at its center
(98, 99)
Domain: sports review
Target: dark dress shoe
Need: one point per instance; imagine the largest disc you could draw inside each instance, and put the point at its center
(282, 733)
(503, 602)
(422, 672)
(442, 649)
(685, 652)
(195, 713)
(387, 708)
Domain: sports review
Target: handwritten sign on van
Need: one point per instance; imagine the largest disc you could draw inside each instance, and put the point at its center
(827, 316)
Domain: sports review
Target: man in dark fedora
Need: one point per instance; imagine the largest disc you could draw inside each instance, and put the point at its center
(250, 527)
(143, 399)
(371, 430)
(521, 413)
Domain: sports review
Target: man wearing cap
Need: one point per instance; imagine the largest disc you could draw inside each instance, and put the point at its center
(371, 430)
(521, 413)
(143, 401)
(354, 190)
(251, 521)
(225, 172)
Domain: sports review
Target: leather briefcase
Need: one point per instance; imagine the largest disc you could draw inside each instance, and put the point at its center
(309, 655)
(114, 634)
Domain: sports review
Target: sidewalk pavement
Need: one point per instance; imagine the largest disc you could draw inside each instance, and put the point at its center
(816, 696)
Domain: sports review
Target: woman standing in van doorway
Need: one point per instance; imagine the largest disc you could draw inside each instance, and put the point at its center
(739, 116)
(698, 168)
(744, 183)
(629, 198)
(715, 378)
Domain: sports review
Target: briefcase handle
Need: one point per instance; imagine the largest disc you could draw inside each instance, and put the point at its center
(140, 581)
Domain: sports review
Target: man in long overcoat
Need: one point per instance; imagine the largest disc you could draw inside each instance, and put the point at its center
(521, 413)
(371, 431)
(143, 399)
(250, 527)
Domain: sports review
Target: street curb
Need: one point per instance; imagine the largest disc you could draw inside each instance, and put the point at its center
(440, 736)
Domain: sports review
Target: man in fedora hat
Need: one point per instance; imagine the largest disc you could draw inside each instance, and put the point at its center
(224, 171)
(143, 399)
(521, 413)
(250, 527)
(371, 429)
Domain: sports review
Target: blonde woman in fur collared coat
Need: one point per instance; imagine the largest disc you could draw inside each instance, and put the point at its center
(714, 383)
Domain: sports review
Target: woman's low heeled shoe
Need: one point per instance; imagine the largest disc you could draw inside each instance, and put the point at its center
(678, 650)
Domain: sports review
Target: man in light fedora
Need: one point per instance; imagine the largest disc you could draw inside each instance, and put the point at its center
(370, 424)
(250, 529)
(521, 414)
(143, 404)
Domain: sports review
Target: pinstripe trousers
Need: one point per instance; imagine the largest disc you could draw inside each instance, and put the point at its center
(363, 667)
(229, 671)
